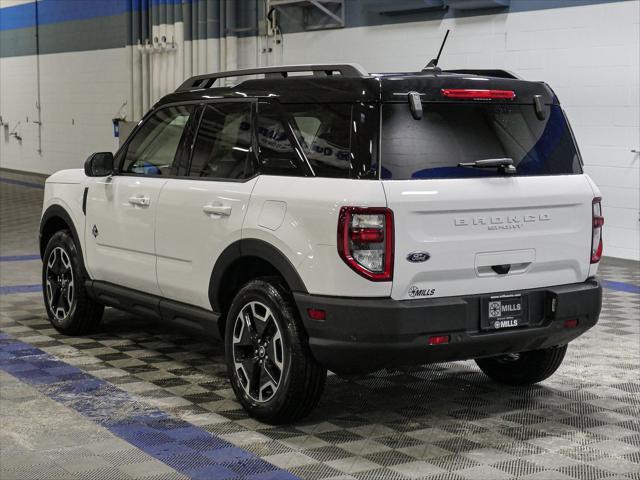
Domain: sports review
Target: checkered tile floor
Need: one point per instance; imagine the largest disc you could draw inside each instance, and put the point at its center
(441, 422)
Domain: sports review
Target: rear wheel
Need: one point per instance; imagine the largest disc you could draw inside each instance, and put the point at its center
(69, 307)
(523, 368)
(272, 371)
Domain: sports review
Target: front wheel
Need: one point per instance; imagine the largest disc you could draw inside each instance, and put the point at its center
(524, 368)
(272, 371)
(69, 307)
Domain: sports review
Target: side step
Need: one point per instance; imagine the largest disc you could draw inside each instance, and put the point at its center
(154, 307)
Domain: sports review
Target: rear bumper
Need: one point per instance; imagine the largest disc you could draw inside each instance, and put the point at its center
(361, 334)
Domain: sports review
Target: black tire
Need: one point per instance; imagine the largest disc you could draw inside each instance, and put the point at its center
(296, 386)
(63, 271)
(524, 368)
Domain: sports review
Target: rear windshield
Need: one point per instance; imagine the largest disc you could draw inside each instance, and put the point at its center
(452, 133)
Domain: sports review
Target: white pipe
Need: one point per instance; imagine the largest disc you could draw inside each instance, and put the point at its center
(38, 89)
(155, 65)
(161, 56)
(195, 70)
(212, 55)
(171, 57)
(178, 62)
(222, 47)
(188, 59)
(144, 60)
(129, 68)
(222, 42)
(202, 27)
(187, 32)
(231, 40)
(136, 80)
(232, 52)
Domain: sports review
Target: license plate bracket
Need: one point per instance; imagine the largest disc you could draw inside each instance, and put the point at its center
(504, 311)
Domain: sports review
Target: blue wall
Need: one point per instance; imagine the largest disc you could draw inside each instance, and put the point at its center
(76, 25)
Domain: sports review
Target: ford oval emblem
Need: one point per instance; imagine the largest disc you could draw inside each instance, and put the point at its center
(418, 257)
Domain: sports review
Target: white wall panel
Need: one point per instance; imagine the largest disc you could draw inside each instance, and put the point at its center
(589, 55)
(80, 93)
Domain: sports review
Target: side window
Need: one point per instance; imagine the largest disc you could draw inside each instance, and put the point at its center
(324, 131)
(277, 155)
(153, 148)
(223, 142)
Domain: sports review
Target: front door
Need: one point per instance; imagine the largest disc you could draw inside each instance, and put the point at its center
(121, 209)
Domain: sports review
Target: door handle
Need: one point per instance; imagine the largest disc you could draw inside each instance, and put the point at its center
(140, 201)
(217, 210)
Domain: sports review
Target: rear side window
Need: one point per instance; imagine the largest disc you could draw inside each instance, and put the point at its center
(223, 143)
(324, 132)
(276, 152)
(153, 148)
(453, 133)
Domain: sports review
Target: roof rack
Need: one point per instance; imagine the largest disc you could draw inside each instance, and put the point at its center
(486, 73)
(322, 70)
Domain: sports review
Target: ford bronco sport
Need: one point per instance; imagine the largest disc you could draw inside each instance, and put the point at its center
(319, 217)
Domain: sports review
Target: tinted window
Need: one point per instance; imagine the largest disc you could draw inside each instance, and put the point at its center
(449, 134)
(223, 142)
(324, 132)
(277, 155)
(153, 148)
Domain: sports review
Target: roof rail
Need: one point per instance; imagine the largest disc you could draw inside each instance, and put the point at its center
(207, 80)
(486, 73)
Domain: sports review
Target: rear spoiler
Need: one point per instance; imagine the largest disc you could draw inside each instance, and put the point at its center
(487, 73)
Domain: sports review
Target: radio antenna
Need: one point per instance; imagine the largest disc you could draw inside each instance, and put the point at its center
(434, 63)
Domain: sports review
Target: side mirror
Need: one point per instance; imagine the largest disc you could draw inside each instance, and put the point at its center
(99, 164)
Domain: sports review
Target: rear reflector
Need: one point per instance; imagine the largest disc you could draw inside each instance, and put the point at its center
(572, 323)
(316, 314)
(438, 339)
(478, 94)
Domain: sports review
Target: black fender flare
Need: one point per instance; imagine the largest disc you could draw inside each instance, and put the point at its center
(252, 247)
(60, 212)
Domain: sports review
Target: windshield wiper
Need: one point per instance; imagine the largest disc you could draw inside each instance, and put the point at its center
(505, 165)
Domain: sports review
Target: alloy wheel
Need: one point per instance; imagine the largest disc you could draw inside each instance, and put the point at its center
(59, 283)
(258, 351)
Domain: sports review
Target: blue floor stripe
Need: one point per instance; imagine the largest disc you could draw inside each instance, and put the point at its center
(9, 289)
(19, 258)
(621, 286)
(11, 181)
(189, 449)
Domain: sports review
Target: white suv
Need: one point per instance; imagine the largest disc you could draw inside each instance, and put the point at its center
(324, 218)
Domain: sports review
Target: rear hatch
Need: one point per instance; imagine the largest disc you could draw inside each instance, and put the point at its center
(462, 230)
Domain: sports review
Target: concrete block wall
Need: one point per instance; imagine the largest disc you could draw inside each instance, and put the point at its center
(589, 54)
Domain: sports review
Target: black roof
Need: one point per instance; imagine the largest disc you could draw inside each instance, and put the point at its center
(323, 85)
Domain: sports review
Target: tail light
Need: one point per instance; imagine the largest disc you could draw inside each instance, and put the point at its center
(596, 231)
(365, 241)
(473, 94)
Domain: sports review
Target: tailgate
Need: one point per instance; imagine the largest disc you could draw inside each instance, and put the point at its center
(492, 234)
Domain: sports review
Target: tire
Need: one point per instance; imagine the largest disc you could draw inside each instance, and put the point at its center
(71, 311)
(270, 366)
(524, 368)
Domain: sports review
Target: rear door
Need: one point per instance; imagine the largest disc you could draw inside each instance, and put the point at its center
(121, 209)
(202, 213)
(461, 230)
